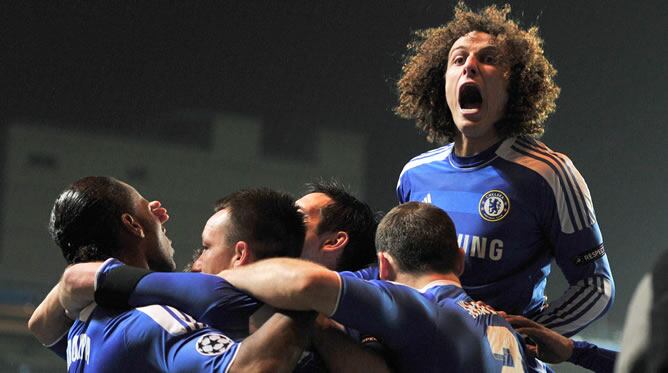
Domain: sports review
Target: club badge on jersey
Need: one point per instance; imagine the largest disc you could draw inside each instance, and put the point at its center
(494, 206)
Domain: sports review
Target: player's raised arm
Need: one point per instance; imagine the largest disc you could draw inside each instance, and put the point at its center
(288, 284)
(77, 287)
(208, 298)
(49, 322)
(302, 285)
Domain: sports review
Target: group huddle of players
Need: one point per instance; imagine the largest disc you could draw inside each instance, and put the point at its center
(318, 284)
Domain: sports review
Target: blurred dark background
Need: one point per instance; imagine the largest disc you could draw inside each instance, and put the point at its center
(152, 80)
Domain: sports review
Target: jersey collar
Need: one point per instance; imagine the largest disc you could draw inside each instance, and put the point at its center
(438, 283)
(477, 160)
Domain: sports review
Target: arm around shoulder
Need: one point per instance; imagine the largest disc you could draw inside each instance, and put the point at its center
(49, 323)
(286, 283)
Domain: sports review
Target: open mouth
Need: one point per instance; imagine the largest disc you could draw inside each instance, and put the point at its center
(470, 97)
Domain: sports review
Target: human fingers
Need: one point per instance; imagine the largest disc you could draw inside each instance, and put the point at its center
(534, 333)
(161, 214)
(159, 211)
(521, 321)
(532, 350)
(551, 347)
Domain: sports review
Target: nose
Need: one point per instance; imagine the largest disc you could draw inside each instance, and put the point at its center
(470, 66)
(197, 266)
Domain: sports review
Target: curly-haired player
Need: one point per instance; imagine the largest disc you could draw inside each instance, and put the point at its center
(483, 84)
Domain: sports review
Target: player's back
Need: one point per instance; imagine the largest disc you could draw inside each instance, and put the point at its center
(420, 336)
(148, 339)
(504, 348)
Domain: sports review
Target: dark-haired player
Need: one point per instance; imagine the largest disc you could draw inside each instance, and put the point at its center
(340, 232)
(483, 85)
(100, 217)
(420, 313)
(340, 229)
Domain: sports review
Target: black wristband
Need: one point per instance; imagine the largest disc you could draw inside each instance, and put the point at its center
(114, 291)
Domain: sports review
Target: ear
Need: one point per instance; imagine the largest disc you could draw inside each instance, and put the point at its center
(336, 242)
(386, 270)
(459, 262)
(132, 225)
(242, 254)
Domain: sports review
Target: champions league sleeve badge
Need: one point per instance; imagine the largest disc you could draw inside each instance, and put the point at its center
(494, 206)
(213, 344)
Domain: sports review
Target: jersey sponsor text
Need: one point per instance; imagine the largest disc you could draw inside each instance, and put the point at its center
(476, 308)
(481, 247)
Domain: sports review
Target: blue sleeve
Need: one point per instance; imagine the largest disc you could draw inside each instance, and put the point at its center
(108, 266)
(210, 352)
(60, 347)
(173, 342)
(401, 318)
(381, 311)
(403, 188)
(209, 299)
(577, 244)
(369, 273)
(593, 357)
(186, 358)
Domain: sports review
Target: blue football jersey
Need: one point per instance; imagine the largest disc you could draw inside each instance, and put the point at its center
(148, 339)
(208, 298)
(592, 357)
(502, 341)
(419, 334)
(516, 207)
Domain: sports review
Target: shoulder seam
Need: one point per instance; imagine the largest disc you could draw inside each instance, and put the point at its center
(428, 157)
(171, 320)
(571, 193)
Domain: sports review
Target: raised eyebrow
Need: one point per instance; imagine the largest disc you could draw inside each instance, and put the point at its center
(453, 50)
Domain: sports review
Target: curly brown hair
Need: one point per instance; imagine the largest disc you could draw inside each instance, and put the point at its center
(532, 92)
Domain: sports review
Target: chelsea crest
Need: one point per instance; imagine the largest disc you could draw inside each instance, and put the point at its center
(494, 206)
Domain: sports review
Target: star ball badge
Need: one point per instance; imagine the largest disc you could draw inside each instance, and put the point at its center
(213, 344)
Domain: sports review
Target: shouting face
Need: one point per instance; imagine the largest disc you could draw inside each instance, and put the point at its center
(476, 85)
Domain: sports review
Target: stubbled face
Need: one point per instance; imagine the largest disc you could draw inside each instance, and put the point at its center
(217, 254)
(311, 206)
(476, 84)
(160, 253)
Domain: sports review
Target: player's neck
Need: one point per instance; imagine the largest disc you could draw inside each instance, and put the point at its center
(136, 260)
(470, 146)
(419, 281)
